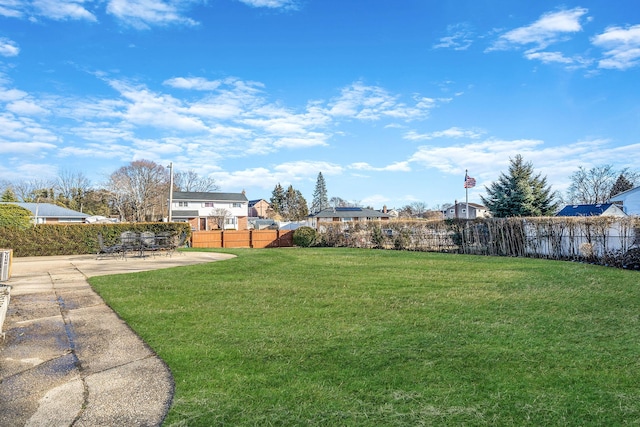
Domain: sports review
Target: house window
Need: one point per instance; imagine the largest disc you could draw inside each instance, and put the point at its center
(208, 204)
(237, 205)
(183, 204)
(229, 221)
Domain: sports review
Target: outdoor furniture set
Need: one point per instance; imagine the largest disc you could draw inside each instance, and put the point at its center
(141, 244)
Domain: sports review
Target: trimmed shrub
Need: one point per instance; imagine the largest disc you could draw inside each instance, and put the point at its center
(14, 216)
(75, 239)
(305, 237)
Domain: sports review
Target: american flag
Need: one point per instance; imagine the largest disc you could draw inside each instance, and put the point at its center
(469, 182)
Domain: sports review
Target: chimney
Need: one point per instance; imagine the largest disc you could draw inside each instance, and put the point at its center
(384, 209)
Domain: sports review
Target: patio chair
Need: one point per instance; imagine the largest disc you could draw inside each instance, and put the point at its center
(104, 250)
(148, 242)
(177, 244)
(130, 241)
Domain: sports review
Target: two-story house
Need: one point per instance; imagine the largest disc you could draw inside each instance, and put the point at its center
(210, 211)
(463, 210)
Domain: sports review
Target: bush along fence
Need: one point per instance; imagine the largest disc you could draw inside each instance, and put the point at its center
(604, 240)
(74, 239)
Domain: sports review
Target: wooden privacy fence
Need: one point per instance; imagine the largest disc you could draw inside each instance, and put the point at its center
(242, 239)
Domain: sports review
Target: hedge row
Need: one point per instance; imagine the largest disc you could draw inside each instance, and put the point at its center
(603, 240)
(74, 239)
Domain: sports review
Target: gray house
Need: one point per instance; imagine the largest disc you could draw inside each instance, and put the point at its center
(459, 210)
(47, 213)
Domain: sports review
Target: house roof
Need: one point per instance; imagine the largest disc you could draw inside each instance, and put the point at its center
(48, 210)
(185, 214)
(349, 212)
(215, 197)
(471, 205)
(586, 210)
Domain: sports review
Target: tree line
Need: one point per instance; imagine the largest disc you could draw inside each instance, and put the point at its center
(136, 192)
(139, 191)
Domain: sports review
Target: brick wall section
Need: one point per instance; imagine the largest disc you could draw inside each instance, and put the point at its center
(242, 239)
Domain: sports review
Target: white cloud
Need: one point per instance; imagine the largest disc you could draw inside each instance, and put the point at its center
(63, 9)
(8, 95)
(393, 167)
(142, 14)
(12, 8)
(273, 4)
(8, 47)
(306, 168)
(24, 147)
(19, 172)
(194, 83)
(621, 47)
(487, 159)
(285, 173)
(551, 28)
(374, 200)
(359, 101)
(453, 132)
(24, 130)
(24, 107)
(309, 140)
(459, 37)
(146, 108)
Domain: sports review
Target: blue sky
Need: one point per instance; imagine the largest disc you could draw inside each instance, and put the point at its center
(390, 99)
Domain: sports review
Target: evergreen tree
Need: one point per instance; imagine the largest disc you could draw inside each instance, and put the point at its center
(622, 184)
(295, 206)
(521, 193)
(277, 199)
(9, 196)
(320, 198)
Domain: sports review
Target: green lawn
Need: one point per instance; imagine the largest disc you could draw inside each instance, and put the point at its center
(350, 337)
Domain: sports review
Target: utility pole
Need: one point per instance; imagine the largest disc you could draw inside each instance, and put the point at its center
(169, 219)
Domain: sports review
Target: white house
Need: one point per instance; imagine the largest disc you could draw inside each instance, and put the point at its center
(628, 200)
(346, 214)
(208, 211)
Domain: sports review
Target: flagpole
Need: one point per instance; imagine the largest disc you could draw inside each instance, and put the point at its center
(466, 190)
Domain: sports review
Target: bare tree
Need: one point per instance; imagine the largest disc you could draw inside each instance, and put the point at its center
(338, 202)
(595, 185)
(219, 216)
(72, 188)
(140, 190)
(35, 190)
(413, 210)
(419, 209)
(191, 181)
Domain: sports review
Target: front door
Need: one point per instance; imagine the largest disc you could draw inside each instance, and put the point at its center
(203, 224)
